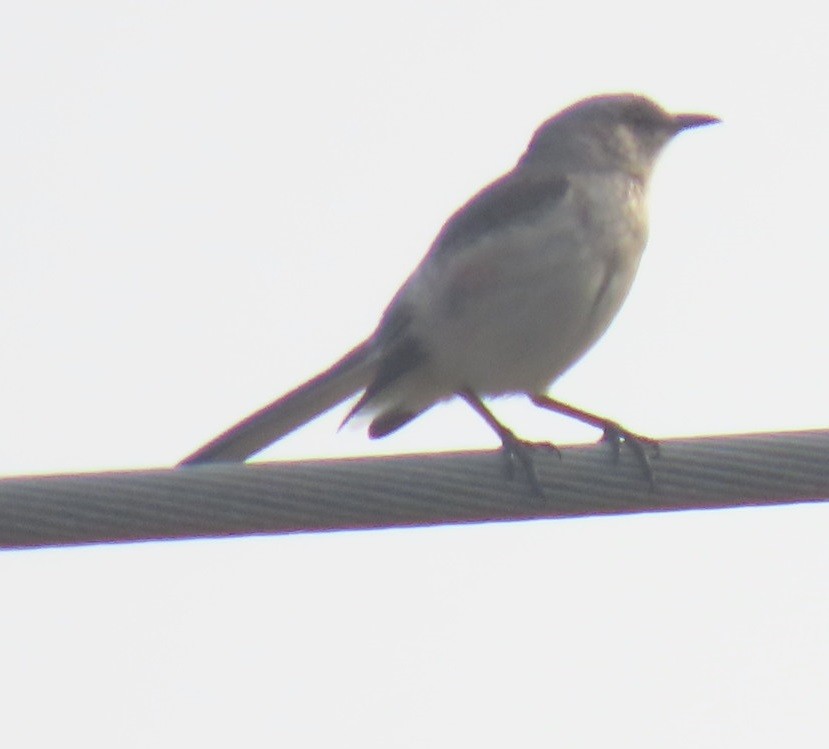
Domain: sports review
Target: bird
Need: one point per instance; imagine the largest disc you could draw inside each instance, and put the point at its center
(518, 284)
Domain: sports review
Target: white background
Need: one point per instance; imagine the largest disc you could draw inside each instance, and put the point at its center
(202, 204)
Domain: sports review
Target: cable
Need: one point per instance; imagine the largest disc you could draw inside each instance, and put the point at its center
(243, 499)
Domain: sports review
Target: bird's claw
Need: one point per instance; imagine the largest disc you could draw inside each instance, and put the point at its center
(517, 450)
(615, 434)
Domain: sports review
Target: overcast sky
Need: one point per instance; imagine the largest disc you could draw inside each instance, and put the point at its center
(203, 204)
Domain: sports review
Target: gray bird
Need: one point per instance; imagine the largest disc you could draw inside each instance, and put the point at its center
(518, 284)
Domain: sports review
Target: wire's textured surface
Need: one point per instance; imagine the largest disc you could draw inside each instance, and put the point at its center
(233, 499)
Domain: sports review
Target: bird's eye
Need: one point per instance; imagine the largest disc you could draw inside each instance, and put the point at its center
(641, 116)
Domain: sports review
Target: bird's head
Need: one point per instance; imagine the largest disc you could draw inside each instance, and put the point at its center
(614, 132)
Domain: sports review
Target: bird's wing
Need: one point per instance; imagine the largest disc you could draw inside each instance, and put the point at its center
(507, 203)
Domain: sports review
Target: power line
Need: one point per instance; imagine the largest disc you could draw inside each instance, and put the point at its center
(244, 499)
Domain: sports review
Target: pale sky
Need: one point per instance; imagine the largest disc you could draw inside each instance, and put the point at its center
(203, 204)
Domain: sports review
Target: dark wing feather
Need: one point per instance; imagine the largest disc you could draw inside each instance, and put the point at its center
(505, 204)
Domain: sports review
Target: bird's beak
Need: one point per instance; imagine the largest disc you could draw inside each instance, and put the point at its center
(685, 121)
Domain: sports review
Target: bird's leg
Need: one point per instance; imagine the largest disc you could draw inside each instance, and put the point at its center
(514, 448)
(613, 433)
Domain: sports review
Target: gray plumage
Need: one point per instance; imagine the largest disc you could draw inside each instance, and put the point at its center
(518, 284)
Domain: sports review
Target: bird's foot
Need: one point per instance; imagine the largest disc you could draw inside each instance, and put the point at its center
(643, 447)
(515, 450)
(615, 434)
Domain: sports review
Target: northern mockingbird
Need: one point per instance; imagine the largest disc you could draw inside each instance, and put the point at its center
(518, 284)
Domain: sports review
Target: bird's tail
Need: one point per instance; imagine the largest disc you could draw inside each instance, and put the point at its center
(348, 376)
